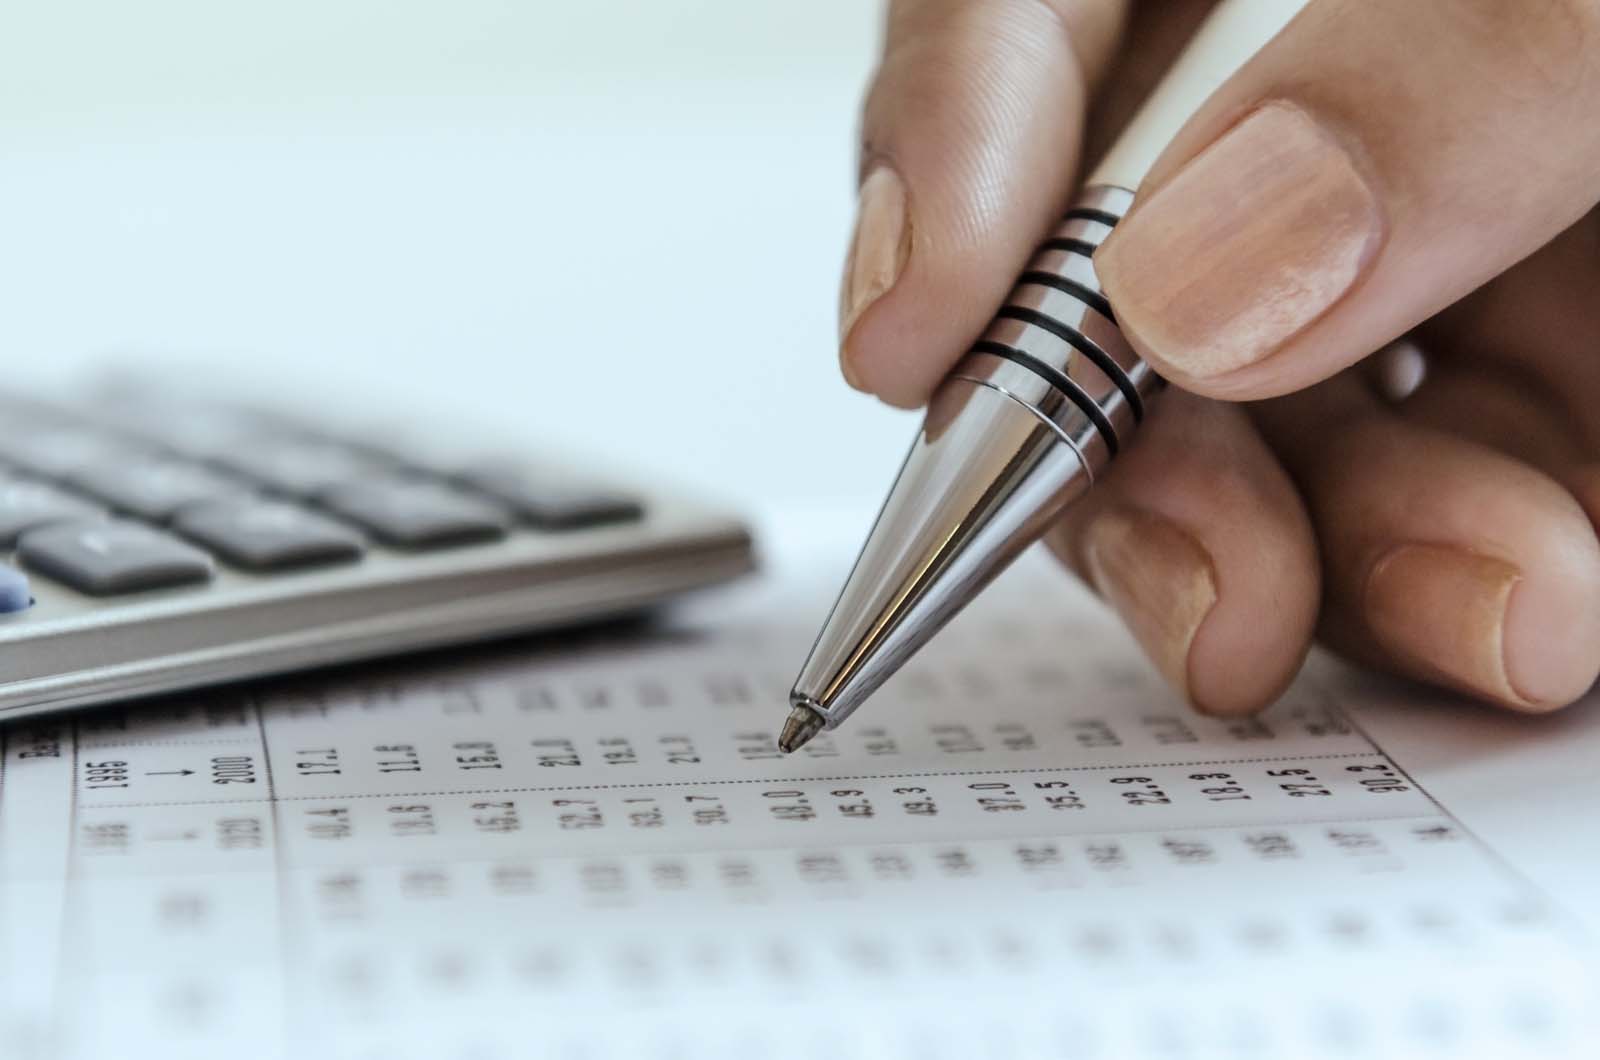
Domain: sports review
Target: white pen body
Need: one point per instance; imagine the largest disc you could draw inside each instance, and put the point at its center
(1228, 39)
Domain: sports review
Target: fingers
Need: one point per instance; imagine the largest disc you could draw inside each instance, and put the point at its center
(969, 143)
(1509, 410)
(1537, 327)
(1443, 558)
(1198, 540)
(1584, 482)
(1374, 163)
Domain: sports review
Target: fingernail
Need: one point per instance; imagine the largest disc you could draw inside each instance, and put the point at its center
(1159, 580)
(1443, 610)
(877, 254)
(1255, 238)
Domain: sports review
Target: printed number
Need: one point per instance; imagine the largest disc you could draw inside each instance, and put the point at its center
(110, 774)
(233, 769)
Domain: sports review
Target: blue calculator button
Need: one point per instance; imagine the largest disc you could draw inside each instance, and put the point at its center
(14, 592)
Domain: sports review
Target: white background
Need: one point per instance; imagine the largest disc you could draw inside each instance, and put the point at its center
(616, 227)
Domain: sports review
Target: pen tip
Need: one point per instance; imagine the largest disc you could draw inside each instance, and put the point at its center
(798, 728)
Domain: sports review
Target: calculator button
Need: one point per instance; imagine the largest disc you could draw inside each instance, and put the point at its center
(198, 433)
(57, 452)
(156, 489)
(417, 514)
(264, 535)
(26, 505)
(19, 407)
(14, 592)
(300, 468)
(107, 558)
(553, 504)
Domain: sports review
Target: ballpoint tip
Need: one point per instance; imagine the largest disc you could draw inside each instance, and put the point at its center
(798, 728)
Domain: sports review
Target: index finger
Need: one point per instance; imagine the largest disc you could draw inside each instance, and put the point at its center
(969, 144)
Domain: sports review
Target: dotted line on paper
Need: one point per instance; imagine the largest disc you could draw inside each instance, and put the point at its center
(631, 785)
(96, 745)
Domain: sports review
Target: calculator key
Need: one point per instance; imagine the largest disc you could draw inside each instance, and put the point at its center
(417, 514)
(199, 433)
(555, 504)
(14, 592)
(266, 535)
(16, 407)
(27, 505)
(156, 489)
(115, 557)
(58, 452)
(300, 468)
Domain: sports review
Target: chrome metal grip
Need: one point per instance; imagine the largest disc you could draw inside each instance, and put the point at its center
(1013, 436)
(1055, 345)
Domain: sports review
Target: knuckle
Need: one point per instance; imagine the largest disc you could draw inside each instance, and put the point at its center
(1541, 48)
(1582, 16)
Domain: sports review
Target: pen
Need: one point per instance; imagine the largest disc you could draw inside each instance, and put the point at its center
(1024, 423)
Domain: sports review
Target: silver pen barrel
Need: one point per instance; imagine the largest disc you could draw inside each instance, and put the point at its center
(1021, 427)
(1034, 412)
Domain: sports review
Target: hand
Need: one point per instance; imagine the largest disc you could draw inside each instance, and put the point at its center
(1425, 169)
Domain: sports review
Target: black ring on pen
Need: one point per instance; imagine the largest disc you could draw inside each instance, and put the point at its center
(1070, 245)
(1058, 379)
(1084, 345)
(1087, 295)
(1089, 213)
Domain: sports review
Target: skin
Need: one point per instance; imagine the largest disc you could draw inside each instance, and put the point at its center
(1449, 537)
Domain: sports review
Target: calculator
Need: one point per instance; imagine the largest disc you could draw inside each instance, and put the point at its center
(153, 543)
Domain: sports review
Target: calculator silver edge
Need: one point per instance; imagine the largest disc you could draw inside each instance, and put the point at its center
(72, 650)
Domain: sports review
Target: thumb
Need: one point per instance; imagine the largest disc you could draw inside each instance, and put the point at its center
(1373, 164)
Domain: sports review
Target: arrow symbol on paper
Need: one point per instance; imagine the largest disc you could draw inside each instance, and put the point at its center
(170, 773)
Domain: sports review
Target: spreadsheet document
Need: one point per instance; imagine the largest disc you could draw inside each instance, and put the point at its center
(591, 847)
